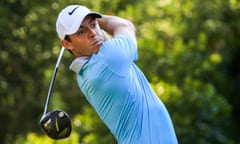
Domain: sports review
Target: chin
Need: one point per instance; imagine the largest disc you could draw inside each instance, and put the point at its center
(96, 50)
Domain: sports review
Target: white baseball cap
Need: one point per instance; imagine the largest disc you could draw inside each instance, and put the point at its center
(70, 19)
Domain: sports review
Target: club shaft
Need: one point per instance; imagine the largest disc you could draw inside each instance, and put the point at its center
(52, 80)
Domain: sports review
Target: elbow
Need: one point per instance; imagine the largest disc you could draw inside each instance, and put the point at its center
(132, 31)
(127, 28)
(129, 25)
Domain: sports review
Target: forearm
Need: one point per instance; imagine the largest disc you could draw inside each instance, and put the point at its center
(115, 25)
(111, 24)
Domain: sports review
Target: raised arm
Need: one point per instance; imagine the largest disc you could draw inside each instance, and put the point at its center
(115, 25)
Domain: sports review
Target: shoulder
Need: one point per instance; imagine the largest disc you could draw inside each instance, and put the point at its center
(117, 54)
(120, 48)
(119, 43)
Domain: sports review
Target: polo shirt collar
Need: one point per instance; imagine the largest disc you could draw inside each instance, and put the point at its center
(78, 63)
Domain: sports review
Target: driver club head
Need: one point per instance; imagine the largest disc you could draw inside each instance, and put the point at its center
(56, 124)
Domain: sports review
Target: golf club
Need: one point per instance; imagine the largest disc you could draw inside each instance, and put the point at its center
(57, 123)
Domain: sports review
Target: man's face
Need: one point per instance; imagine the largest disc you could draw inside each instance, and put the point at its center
(87, 40)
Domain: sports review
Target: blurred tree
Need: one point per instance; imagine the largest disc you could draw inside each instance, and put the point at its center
(21, 80)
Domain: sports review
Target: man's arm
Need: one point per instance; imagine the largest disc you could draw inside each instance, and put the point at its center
(115, 25)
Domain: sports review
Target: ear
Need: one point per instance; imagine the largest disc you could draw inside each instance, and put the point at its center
(66, 44)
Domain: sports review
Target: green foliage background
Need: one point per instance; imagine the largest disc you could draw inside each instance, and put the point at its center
(189, 51)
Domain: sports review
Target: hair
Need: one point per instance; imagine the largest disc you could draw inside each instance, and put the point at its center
(67, 38)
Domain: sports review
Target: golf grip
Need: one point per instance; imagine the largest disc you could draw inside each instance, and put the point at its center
(52, 80)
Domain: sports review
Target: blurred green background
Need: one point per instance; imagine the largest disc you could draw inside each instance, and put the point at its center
(189, 51)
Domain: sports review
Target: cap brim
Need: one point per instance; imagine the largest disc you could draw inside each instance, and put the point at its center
(95, 14)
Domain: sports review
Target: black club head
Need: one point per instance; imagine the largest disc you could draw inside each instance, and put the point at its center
(56, 124)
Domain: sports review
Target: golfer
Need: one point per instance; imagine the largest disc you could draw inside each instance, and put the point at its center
(114, 86)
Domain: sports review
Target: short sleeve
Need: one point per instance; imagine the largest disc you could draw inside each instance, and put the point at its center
(119, 54)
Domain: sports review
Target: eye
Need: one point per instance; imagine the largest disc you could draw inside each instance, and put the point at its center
(81, 31)
(93, 25)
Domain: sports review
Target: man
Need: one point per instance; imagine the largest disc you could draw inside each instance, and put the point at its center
(109, 79)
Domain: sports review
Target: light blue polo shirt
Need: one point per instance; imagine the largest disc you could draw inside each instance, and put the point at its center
(122, 96)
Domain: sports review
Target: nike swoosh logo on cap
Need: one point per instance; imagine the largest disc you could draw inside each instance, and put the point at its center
(71, 12)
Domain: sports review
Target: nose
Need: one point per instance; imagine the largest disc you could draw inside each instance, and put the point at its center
(92, 32)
